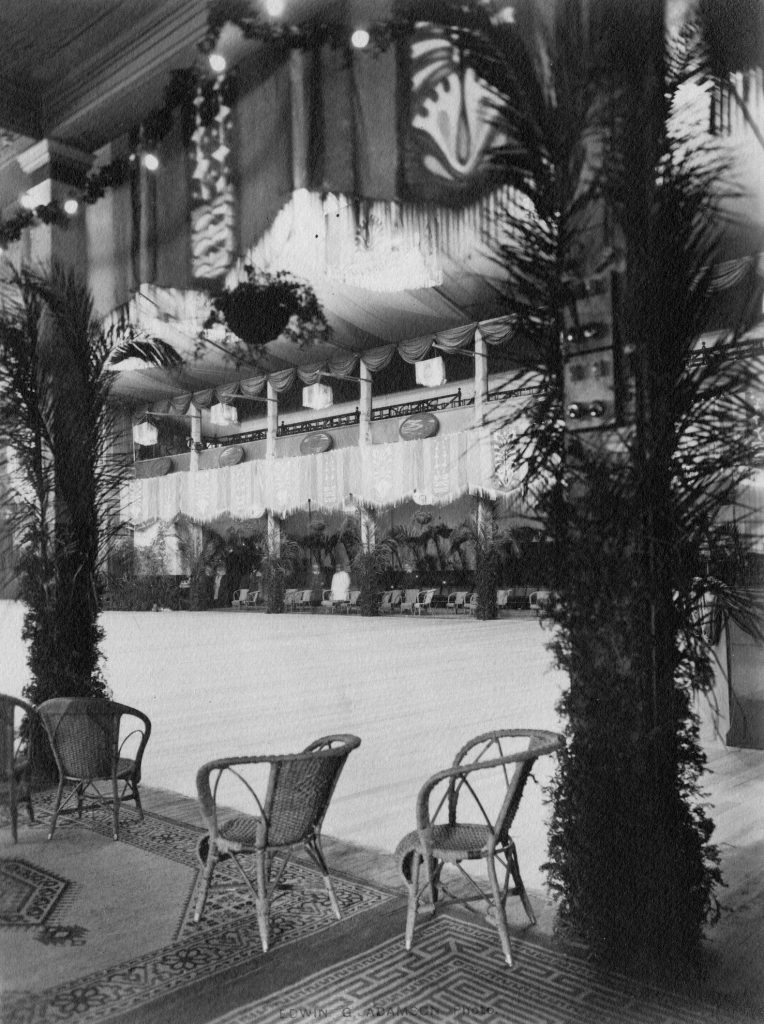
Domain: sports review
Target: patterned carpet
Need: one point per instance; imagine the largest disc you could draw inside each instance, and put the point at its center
(455, 973)
(318, 969)
(226, 940)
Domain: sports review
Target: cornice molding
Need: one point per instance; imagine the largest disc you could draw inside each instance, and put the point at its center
(50, 153)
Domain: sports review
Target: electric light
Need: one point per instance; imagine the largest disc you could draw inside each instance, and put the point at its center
(27, 202)
(151, 161)
(360, 39)
(274, 8)
(71, 206)
(218, 63)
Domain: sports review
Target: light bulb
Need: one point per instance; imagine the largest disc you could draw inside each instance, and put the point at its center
(71, 206)
(151, 161)
(218, 63)
(274, 8)
(360, 39)
(27, 202)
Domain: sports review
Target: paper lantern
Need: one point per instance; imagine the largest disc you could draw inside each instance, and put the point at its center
(145, 433)
(222, 414)
(317, 396)
(430, 373)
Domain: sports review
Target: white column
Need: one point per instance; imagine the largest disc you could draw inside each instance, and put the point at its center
(481, 378)
(364, 408)
(196, 436)
(481, 400)
(274, 532)
(368, 532)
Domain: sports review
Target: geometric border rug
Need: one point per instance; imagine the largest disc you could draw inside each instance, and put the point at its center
(28, 894)
(455, 972)
(226, 941)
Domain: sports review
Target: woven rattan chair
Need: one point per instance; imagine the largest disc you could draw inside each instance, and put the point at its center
(299, 788)
(84, 735)
(15, 760)
(489, 771)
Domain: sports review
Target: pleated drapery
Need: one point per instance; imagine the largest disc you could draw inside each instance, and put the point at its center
(436, 470)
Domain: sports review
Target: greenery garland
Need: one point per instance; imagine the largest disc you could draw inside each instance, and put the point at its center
(179, 96)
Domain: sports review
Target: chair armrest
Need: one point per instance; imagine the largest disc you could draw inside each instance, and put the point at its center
(461, 771)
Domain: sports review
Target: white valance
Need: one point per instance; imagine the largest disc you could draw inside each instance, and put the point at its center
(443, 468)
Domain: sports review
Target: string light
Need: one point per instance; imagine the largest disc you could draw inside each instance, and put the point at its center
(218, 63)
(360, 39)
(151, 161)
(71, 206)
(274, 8)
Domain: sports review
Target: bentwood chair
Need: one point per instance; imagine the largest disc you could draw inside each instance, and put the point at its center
(297, 790)
(88, 740)
(486, 781)
(15, 760)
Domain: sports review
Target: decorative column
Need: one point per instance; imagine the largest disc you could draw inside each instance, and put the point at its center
(368, 532)
(196, 436)
(274, 532)
(55, 173)
(481, 399)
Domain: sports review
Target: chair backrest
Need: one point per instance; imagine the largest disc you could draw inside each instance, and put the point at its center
(410, 597)
(340, 586)
(11, 710)
(84, 734)
(490, 752)
(299, 789)
(425, 598)
(353, 597)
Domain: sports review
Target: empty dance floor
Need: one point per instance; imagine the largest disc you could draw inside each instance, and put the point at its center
(414, 689)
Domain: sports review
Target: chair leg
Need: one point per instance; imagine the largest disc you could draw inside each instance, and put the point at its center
(59, 794)
(262, 897)
(501, 914)
(209, 867)
(137, 798)
(413, 885)
(14, 809)
(115, 807)
(514, 870)
(317, 854)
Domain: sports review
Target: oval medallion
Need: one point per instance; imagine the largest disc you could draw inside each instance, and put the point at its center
(315, 444)
(231, 456)
(419, 426)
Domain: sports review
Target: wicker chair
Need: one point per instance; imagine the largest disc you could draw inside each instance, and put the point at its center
(84, 735)
(299, 788)
(15, 760)
(482, 769)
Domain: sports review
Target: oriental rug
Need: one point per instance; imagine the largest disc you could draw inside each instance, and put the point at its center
(123, 945)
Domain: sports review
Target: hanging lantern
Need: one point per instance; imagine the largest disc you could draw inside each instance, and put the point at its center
(317, 396)
(430, 373)
(222, 414)
(145, 433)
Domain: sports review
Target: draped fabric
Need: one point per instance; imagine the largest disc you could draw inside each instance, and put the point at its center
(344, 364)
(379, 358)
(415, 349)
(253, 386)
(441, 468)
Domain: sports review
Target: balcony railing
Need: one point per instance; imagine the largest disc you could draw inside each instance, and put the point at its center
(454, 400)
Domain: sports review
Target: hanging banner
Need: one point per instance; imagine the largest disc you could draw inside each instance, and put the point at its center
(212, 194)
(448, 138)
